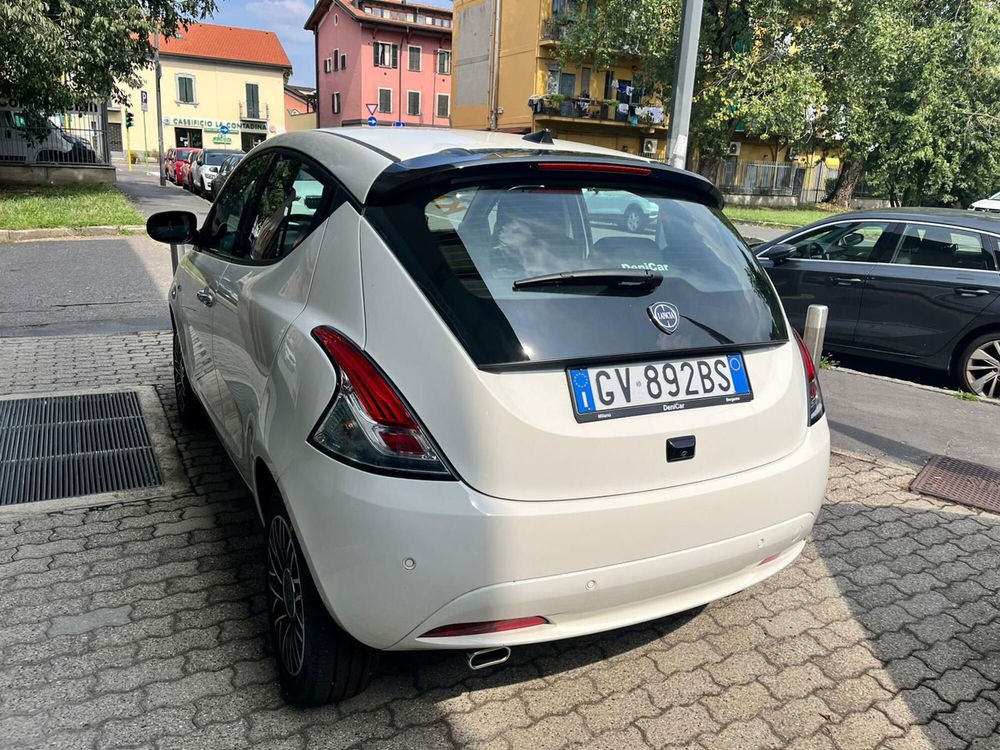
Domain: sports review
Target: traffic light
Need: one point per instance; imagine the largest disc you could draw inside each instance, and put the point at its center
(128, 119)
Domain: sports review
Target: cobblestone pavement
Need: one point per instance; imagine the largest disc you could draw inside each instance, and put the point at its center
(141, 625)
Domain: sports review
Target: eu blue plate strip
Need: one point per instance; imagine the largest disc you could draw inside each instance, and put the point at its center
(581, 391)
(739, 374)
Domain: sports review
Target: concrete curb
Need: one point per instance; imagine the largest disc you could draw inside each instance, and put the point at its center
(920, 386)
(25, 235)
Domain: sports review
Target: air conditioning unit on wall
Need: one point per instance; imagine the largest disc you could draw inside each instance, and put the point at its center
(734, 148)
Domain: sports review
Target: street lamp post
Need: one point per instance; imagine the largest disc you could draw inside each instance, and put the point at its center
(680, 105)
(159, 105)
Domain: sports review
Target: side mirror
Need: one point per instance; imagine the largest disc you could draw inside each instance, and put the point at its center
(779, 253)
(852, 239)
(173, 227)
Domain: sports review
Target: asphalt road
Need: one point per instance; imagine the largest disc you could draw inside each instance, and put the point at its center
(142, 186)
(84, 286)
(905, 424)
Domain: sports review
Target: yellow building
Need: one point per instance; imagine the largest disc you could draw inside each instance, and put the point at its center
(221, 87)
(512, 81)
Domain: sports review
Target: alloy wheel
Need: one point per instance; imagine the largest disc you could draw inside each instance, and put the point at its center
(633, 221)
(284, 584)
(982, 369)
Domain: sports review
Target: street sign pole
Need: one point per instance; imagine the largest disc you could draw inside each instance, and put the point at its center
(159, 106)
(145, 139)
(680, 105)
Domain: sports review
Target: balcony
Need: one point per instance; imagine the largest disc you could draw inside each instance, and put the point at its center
(605, 111)
(554, 28)
(254, 111)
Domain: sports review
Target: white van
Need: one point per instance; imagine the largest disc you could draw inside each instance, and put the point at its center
(19, 145)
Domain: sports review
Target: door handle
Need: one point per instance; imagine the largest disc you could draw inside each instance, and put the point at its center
(966, 291)
(846, 280)
(205, 296)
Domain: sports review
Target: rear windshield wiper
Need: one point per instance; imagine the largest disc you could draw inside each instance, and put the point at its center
(623, 281)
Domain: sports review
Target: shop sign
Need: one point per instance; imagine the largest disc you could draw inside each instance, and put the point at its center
(221, 139)
(260, 127)
(212, 126)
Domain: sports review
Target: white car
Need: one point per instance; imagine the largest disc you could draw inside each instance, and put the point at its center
(991, 204)
(206, 167)
(620, 207)
(468, 421)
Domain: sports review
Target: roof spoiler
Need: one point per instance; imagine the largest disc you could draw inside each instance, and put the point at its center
(450, 170)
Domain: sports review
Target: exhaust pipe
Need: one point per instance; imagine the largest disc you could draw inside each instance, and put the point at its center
(488, 657)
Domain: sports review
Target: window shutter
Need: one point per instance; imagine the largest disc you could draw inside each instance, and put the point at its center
(375, 47)
(343, 61)
(326, 65)
(395, 56)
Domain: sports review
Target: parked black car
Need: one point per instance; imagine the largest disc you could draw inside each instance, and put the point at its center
(225, 169)
(919, 286)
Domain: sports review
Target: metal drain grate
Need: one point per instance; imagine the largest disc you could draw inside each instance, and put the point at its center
(67, 446)
(961, 482)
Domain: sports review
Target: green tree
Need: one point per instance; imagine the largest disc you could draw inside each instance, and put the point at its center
(55, 54)
(756, 62)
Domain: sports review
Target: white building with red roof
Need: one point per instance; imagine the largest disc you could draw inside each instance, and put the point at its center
(222, 87)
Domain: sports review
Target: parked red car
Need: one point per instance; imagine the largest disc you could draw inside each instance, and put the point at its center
(182, 157)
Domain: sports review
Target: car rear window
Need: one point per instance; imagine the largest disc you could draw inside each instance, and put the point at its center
(466, 247)
(215, 158)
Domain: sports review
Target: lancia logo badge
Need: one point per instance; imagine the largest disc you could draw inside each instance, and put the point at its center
(664, 316)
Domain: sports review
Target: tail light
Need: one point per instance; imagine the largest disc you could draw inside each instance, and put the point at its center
(814, 396)
(367, 423)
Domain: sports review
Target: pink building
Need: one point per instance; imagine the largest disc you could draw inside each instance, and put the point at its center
(393, 57)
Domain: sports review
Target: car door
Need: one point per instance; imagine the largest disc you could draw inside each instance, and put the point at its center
(266, 288)
(830, 267)
(200, 273)
(931, 287)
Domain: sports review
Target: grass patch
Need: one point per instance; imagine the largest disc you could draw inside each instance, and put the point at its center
(45, 206)
(780, 217)
(826, 362)
(965, 396)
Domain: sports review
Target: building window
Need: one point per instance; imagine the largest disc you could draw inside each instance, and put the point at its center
(336, 59)
(385, 100)
(253, 101)
(444, 62)
(447, 23)
(413, 103)
(444, 105)
(327, 65)
(386, 55)
(414, 58)
(343, 61)
(336, 102)
(185, 89)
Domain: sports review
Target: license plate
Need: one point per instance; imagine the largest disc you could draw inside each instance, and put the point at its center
(649, 387)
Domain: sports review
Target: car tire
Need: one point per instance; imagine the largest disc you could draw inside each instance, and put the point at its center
(317, 661)
(189, 408)
(977, 369)
(633, 220)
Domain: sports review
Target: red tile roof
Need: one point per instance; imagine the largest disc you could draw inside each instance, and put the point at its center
(227, 43)
(356, 9)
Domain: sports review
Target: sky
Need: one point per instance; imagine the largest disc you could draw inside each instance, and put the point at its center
(286, 17)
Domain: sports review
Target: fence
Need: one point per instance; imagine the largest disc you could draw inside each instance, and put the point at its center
(78, 138)
(761, 178)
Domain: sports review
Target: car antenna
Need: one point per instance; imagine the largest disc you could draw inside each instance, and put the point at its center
(539, 136)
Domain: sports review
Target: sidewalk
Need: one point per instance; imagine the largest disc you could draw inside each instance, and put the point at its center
(142, 186)
(142, 624)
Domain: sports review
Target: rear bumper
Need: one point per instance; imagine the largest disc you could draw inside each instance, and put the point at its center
(586, 565)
